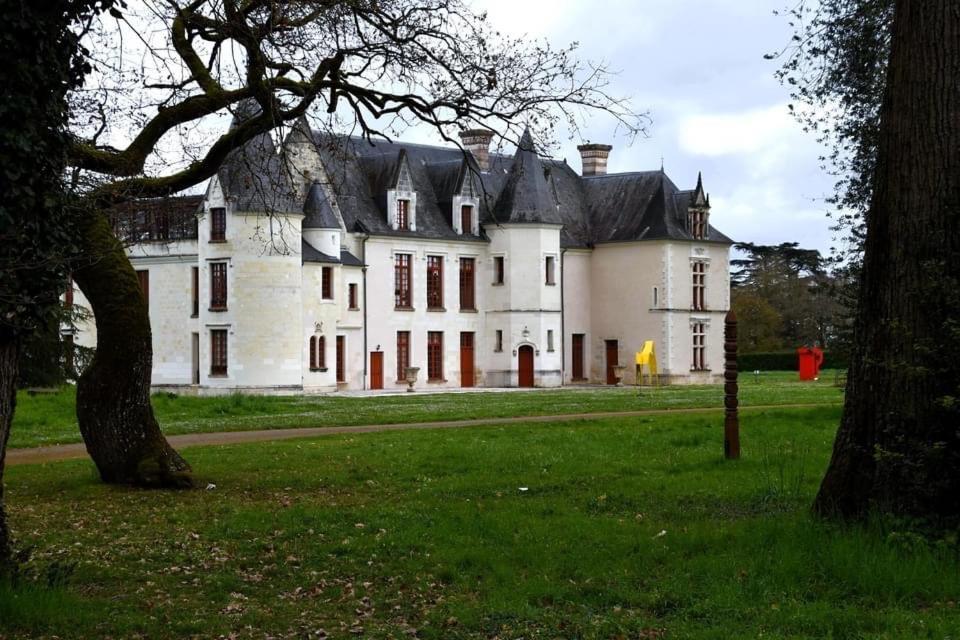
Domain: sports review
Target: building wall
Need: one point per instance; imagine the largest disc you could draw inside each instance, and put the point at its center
(623, 279)
(264, 311)
(578, 303)
(681, 257)
(524, 307)
(384, 321)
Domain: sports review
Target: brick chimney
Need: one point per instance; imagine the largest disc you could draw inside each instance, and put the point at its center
(477, 142)
(594, 158)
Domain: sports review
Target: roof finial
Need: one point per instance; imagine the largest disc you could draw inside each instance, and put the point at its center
(526, 140)
(661, 163)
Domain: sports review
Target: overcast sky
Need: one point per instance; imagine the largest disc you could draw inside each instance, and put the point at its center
(698, 67)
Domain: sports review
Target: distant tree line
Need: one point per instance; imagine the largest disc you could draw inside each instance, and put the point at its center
(787, 297)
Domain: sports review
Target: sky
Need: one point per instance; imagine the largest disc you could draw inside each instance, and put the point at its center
(698, 67)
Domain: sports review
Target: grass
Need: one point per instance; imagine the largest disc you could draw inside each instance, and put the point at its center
(48, 419)
(602, 528)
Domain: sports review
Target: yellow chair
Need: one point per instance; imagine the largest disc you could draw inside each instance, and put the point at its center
(647, 357)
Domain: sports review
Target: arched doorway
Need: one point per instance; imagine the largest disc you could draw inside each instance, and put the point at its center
(525, 368)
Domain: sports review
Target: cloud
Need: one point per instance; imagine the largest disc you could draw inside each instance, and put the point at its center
(750, 131)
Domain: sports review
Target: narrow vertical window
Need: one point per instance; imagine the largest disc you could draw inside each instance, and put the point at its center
(435, 282)
(218, 352)
(352, 296)
(143, 277)
(340, 359)
(218, 286)
(466, 219)
(435, 355)
(698, 224)
(195, 291)
(68, 296)
(577, 355)
(699, 347)
(402, 281)
(498, 340)
(322, 353)
(326, 283)
(313, 353)
(467, 286)
(656, 297)
(549, 339)
(699, 286)
(218, 224)
(403, 354)
(550, 265)
(403, 215)
(498, 270)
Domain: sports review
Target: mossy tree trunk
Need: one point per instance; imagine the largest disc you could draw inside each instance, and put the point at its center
(113, 394)
(8, 399)
(898, 448)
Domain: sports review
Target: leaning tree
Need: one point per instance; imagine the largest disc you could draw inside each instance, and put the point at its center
(898, 448)
(145, 127)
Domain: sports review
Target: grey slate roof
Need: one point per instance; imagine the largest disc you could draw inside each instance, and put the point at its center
(347, 259)
(253, 177)
(318, 213)
(528, 195)
(524, 188)
(308, 253)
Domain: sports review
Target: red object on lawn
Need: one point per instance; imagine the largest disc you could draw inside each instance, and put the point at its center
(810, 360)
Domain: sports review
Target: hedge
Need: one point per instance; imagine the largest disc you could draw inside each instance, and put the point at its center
(785, 361)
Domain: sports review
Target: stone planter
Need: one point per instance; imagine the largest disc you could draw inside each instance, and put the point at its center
(411, 377)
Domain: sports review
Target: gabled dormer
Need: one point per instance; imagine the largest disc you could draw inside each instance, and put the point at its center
(698, 213)
(465, 214)
(402, 197)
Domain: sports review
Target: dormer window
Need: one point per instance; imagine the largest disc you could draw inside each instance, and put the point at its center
(402, 199)
(698, 224)
(466, 219)
(403, 215)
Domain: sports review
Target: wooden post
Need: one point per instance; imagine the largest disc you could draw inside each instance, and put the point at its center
(731, 421)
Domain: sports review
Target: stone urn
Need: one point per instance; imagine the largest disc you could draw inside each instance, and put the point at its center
(411, 377)
(618, 371)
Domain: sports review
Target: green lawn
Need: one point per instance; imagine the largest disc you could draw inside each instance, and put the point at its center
(610, 528)
(50, 419)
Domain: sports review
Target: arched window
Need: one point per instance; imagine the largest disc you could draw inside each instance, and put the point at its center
(318, 353)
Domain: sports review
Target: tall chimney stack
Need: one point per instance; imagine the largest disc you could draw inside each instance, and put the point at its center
(594, 158)
(477, 142)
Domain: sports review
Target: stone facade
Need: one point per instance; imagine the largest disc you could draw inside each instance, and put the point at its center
(550, 267)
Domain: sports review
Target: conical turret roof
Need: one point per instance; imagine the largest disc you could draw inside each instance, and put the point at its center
(527, 196)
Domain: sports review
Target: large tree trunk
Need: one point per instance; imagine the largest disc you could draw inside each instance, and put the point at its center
(8, 399)
(113, 394)
(898, 448)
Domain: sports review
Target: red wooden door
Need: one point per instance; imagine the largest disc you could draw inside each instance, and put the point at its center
(525, 379)
(376, 369)
(613, 359)
(577, 356)
(466, 359)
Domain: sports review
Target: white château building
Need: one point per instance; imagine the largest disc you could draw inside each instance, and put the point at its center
(328, 263)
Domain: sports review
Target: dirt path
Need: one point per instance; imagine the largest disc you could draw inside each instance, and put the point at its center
(38, 455)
